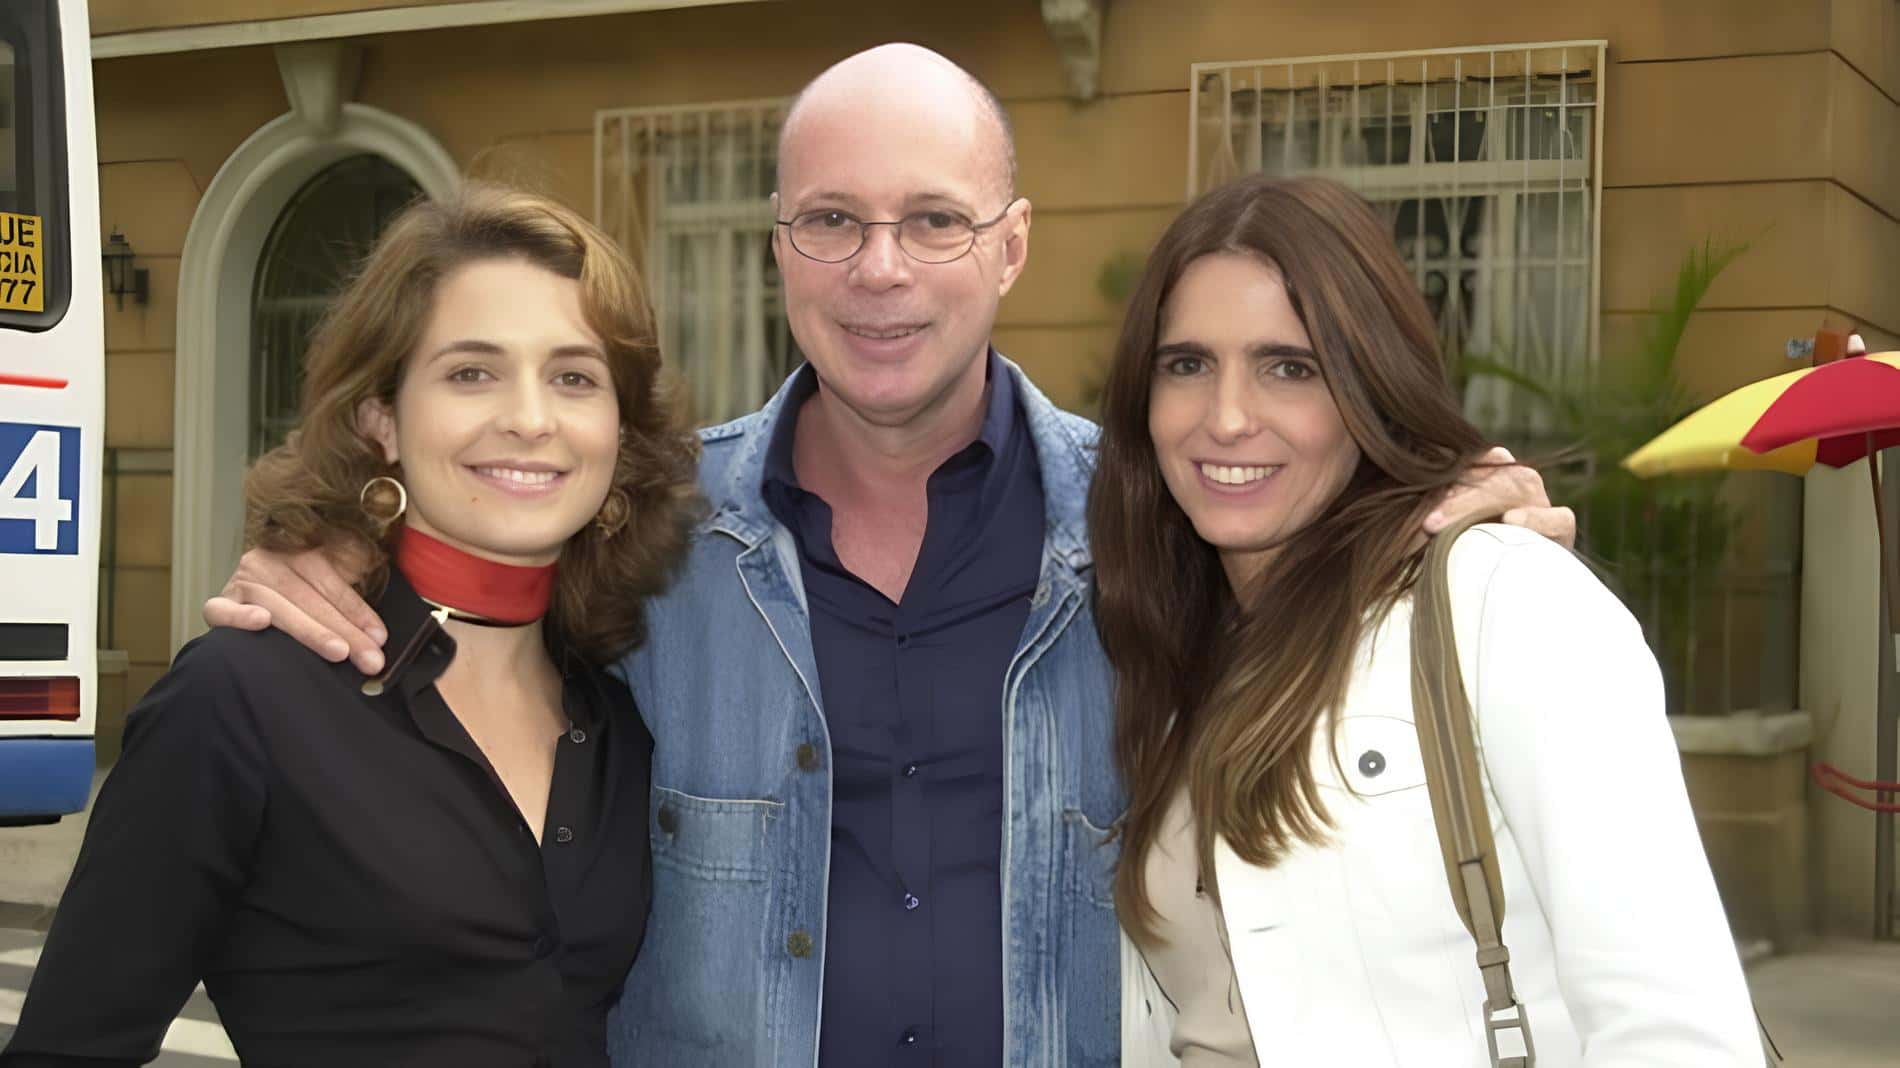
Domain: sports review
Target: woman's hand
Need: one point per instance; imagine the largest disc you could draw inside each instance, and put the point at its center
(1498, 485)
(307, 596)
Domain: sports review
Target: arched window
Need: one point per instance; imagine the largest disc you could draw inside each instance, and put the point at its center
(325, 229)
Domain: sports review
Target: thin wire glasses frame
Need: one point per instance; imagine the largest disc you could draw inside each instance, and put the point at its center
(962, 236)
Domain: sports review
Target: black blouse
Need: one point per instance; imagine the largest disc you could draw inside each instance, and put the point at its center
(346, 873)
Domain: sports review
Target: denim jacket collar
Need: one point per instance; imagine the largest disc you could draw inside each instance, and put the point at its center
(739, 507)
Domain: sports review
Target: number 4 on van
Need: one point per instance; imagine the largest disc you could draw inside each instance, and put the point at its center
(39, 489)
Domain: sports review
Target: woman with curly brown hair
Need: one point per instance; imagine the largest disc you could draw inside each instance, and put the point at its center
(439, 865)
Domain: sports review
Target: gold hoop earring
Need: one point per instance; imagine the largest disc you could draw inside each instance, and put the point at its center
(380, 487)
(614, 513)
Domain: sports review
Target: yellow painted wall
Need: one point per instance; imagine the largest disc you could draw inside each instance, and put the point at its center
(1150, 43)
(1866, 34)
(1105, 175)
(1766, 120)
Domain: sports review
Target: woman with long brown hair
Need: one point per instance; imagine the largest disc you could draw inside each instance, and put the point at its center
(1277, 422)
(444, 864)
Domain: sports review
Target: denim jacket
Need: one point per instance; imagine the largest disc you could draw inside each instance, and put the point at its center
(732, 968)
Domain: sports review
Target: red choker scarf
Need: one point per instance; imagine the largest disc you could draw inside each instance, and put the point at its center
(447, 576)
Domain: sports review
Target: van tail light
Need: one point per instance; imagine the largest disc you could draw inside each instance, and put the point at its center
(55, 698)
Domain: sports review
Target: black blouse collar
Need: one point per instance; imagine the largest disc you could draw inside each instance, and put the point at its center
(419, 649)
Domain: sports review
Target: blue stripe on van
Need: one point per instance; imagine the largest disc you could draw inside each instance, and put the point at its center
(44, 776)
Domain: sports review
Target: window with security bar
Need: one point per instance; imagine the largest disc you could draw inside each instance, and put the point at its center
(327, 227)
(688, 192)
(1485, 162)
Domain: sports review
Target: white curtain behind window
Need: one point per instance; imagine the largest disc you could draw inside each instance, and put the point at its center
(688, 191)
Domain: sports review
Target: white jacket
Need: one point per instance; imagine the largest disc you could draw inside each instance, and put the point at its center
(1352, 954)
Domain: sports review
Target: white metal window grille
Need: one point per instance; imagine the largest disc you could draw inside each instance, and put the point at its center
(688, 191)
(1486, 163)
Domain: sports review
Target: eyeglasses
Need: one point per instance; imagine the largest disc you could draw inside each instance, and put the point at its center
(939, 236)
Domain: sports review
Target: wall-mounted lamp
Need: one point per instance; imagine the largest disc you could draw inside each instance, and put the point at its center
(121, 276)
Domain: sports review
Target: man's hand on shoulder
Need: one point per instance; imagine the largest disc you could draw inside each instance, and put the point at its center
(1498, 484)
(307, 596)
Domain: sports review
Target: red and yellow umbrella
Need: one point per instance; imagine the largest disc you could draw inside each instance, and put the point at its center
(1827, 414)
(1833, 414)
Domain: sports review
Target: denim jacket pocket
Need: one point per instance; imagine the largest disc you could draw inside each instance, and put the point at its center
(713, 838)
(699, 987)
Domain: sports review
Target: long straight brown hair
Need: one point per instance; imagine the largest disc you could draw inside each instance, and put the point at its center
(1223, 692)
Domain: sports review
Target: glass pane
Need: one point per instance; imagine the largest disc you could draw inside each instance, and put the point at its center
(1216, 103)
(728, 332)
(1439, 229)
(1289, 130)
(685, 334)
(10, 148)
(1540, 129)
(35, 260)
(715, 286)
(1385, 124)
(22, 229)
(327, 227)
(1554, 226)
(715, 156)
(763, 321)
(1444, 241)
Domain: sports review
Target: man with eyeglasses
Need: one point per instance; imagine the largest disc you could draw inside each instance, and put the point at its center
(883, 769)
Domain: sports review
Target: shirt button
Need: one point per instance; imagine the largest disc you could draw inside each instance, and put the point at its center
(668, 819)
(911, 902)
(903, 641)
(577, 736)
(909, 1037)
(799, 945)
(563, 835)
(910, 770)
(807, 756)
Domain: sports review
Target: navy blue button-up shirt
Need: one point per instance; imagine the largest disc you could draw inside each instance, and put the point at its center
(913, 698)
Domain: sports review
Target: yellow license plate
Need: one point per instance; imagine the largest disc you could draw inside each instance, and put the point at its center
(22, 263)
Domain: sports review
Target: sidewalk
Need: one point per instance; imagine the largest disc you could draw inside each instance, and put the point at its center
(35, 861)
(1835, 1004)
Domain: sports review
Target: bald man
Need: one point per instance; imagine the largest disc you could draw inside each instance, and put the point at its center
(883, 776)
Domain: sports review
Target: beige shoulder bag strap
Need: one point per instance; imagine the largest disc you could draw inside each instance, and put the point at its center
(1442, 713)
(1443, 716)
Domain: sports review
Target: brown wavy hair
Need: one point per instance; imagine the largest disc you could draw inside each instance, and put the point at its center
(305, 494)
(1222, 691)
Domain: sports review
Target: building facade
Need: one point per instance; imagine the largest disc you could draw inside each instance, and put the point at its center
(1546, 168)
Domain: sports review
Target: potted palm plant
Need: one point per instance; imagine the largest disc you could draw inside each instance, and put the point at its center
(1666, 546)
